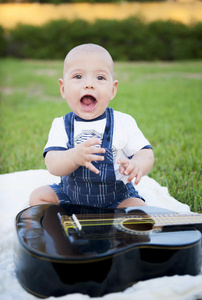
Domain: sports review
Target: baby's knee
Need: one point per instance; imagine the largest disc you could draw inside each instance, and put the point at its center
(43, 195)
(132, 202)
(34, 197)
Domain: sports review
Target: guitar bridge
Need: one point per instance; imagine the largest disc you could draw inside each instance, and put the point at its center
(69, 223)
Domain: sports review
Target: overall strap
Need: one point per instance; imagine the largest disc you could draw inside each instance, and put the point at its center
(69, 127)
(108, 133)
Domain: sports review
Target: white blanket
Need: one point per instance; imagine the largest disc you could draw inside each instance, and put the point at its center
(15, 189)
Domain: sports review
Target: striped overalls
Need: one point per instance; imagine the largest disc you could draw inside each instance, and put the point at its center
(87, 188)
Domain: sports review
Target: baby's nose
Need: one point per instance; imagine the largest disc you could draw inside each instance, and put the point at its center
(89, 84)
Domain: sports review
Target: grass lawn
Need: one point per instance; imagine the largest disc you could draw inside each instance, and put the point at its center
(164, 98)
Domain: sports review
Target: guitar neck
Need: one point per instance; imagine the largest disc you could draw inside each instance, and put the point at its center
(178, 220)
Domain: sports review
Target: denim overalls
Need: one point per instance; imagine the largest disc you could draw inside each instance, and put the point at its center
(87, 188)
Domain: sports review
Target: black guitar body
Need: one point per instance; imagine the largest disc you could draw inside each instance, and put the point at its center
(106, 255)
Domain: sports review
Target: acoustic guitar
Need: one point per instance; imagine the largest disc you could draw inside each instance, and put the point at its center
(62, 249)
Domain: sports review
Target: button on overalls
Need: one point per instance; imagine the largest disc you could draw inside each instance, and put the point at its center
(84, 186)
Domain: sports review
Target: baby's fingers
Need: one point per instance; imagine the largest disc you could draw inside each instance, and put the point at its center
(90, 146)
(92, 142)
(96, 150)
(95, 157)
(121, 169)
(123, 166)
(92, 168)
(138, 177)
(122, 161)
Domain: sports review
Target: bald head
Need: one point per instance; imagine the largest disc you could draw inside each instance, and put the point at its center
(89, 49)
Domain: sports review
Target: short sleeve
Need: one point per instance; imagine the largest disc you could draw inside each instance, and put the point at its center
(129, 135)
(57, 138)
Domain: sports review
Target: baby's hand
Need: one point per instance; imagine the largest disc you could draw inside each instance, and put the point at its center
(86, 152)
(131, 169)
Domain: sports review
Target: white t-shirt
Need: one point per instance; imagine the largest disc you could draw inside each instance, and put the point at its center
(127, 137)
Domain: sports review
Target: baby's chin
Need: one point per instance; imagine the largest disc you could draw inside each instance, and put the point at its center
(89, 115)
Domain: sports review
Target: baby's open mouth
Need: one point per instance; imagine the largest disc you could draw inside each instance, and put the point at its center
(88, 102)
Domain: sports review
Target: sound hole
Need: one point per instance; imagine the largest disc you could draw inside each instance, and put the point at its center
(138, 224)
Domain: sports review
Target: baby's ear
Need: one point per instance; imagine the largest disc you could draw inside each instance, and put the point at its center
(114, 89)
(62, 91)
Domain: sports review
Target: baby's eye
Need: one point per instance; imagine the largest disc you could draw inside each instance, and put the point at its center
(78, 76)
(100, 77)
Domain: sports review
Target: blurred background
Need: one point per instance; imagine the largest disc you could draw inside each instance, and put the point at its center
(157, 48)
(164, 30)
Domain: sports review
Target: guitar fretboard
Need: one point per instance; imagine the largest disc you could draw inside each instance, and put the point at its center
(177, 219)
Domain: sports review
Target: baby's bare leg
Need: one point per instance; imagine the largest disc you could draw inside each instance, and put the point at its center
(132, 202)
(43, 195)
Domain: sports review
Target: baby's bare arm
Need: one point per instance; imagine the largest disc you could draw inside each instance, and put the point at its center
(139, 165)
(62, 163)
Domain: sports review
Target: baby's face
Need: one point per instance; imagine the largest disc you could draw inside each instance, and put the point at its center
(88, 84)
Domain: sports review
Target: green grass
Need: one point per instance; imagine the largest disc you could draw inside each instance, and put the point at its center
(164, 98)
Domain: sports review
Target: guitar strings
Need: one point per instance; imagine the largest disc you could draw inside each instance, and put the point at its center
(159, 220)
